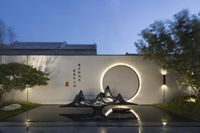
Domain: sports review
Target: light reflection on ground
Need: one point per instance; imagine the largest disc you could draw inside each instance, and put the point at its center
(51, 113)
(99, 130)
(47, 119)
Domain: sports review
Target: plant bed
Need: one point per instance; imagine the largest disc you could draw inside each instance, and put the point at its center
(182, 107)
(24, 107)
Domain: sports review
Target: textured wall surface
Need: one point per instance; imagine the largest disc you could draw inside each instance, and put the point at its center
(139, 81)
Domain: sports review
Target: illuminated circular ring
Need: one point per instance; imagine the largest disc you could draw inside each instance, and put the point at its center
(132, 111)
(121, 64)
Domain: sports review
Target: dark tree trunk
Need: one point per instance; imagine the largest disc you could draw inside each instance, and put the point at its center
(198, 95)
(1, 101)
(1, 104)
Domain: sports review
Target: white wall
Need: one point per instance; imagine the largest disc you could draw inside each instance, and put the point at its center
(91, 69)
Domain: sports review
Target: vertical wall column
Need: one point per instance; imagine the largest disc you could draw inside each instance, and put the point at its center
(0, 59)
(27, 100)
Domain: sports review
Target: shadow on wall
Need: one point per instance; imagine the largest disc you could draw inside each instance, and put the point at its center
(172, 84)
(43, 63)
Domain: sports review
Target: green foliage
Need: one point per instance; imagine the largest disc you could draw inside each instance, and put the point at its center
(25, 107)
(181, 107)
(175, 45)
(19, 76)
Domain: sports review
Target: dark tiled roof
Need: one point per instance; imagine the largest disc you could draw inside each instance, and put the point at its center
(48, 48)
(78, 46)
(35, 45)
(50, 45)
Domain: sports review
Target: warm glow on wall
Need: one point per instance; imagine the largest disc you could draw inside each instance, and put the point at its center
(164, 87)
(120, 64)
(163, 71)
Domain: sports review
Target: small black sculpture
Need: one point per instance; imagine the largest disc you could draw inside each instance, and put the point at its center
(79, 100)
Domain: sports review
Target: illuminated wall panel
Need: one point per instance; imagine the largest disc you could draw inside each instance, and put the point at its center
(70, 74)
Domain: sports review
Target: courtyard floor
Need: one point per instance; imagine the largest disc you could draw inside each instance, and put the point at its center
(49, 118)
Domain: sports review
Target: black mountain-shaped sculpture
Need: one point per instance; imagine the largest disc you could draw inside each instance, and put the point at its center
(79, 100)
(119, 100)
(99, 100)
(108, 93)
(102, 99)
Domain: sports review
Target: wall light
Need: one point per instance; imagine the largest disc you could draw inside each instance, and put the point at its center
(164, 79)
(163, 71)
(164, 86)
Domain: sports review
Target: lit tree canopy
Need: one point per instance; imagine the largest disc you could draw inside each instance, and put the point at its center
(19, 76)
(175, 45)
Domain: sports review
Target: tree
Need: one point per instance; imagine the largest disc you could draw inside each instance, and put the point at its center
(7, 35)
(175, 45)
(19, 76)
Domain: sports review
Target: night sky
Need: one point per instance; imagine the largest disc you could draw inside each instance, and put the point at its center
(112, 24)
